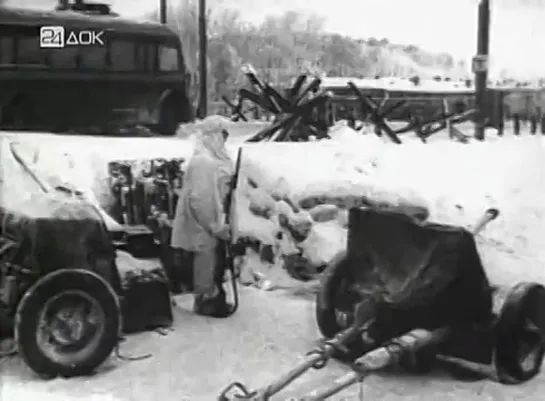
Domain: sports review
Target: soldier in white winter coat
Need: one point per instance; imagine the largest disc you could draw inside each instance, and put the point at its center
(199, 224)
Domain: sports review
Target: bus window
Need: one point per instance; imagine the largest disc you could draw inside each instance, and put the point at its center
(29, 52)
(122, 55)
(145, 57)
(6, 49)
(94, 57)
(65, 58)
(168, 58)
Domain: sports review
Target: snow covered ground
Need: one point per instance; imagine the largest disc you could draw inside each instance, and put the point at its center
(264, 339)
(455, 182)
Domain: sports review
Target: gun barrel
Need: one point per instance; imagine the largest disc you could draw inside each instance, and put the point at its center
(488, 216)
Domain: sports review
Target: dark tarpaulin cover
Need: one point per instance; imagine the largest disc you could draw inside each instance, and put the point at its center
(427, 275)
(70, 235)
(54, 229)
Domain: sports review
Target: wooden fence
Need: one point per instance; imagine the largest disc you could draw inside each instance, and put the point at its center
(523, 106)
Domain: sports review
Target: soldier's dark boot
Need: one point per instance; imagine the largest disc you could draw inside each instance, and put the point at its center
(216, 306)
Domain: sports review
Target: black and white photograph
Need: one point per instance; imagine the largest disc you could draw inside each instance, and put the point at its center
(227, 200)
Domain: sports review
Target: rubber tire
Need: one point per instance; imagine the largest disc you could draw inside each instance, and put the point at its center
(326, 318)
(175, 109)
(521, 300)
(27, 316)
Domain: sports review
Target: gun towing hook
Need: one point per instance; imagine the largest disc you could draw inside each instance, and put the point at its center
(315, 359)
(375, 360)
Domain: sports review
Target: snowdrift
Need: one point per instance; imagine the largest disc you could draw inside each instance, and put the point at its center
(82, 161)
(239, 129)
(293, 197)
(444, 181)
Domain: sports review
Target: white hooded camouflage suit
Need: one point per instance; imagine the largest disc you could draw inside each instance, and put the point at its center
(199, 212)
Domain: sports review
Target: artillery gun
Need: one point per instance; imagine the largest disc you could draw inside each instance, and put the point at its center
(408, 293)
(60, 290)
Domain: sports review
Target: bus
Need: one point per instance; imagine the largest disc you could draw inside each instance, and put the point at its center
(133, 76)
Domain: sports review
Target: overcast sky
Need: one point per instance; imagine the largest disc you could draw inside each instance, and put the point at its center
(517, 34)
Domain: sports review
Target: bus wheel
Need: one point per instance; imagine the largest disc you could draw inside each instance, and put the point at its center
(175, 108)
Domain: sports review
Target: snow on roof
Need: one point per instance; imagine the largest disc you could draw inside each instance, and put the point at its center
(424, 86)
(398, 84)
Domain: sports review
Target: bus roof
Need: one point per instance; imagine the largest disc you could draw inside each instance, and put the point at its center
(72, 19)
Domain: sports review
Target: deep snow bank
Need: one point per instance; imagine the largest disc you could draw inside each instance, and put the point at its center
(82, 161)
(293, 196)
(239, 129)
(455, 182)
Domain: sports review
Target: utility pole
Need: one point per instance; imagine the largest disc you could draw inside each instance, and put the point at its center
(203, 87)
(480, 66)
(163, 11)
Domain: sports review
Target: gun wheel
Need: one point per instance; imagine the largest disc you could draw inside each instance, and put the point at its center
(68, 323)
(335, 306)
(520, 334)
